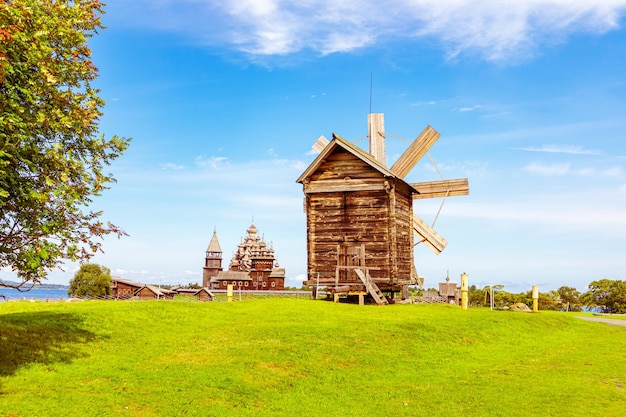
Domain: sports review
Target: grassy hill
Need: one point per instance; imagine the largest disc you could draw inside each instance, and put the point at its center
(304, 358)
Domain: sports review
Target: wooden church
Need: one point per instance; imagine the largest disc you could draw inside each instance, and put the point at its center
(361, 228)
(252, 267)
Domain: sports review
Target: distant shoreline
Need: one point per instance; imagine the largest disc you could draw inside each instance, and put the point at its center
(42, 286)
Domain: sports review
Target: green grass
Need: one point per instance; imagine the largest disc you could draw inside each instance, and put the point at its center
(290, 357)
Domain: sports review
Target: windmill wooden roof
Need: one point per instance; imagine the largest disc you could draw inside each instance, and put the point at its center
(339, 142)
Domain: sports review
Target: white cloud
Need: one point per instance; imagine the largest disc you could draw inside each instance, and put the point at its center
(548, 170)
(488, 28)
(561, 169)
(567, 149)
(215, 162)
(468, 109)
(172, 166)
(615, 172)
(554, 212)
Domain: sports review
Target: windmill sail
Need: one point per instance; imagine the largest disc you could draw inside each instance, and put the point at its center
(427, 234)
(441, 188)
(320, 144)
(415, 152)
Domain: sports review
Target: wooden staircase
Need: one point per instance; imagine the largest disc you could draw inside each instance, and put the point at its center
(372, 288)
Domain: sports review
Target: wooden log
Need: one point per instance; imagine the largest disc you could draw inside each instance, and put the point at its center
(432, 239)
(415, 152)
(320, 144)
(442, 188)
(343, 185)
(341, 288)
(376, 130)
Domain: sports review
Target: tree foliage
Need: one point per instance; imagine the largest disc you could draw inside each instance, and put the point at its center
(91, 280)
(52, 156)
(609, 295)
(570, 298)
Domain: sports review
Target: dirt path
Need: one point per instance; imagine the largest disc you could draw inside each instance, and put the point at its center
(614, 322)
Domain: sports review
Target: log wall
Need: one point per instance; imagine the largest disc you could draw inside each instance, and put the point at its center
(349, 206)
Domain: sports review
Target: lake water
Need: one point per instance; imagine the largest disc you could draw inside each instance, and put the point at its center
(10, 294)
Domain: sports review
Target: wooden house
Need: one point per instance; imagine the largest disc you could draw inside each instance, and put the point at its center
(203, 294)
(449, 292)
(360, 223)
(124, 288)
(150, 292)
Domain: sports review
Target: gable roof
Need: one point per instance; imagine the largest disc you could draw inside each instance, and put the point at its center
(205, 290)
(339, 142)
(125, 281)
(156, 290)
(231, 276)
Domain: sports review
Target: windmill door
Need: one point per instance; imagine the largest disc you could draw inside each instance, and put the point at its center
(349, 258)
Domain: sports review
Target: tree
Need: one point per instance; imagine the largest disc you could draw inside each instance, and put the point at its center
(52, 156)
(609, 295)
(570, 298)
(91, 280)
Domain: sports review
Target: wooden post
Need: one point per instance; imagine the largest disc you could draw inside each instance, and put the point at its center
(464, 291)
(229, 293)
(361, 299)
(376, 133)
(535, 298)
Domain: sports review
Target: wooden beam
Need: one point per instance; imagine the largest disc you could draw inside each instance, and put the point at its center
(442, 188)
(342, 186)
(376, 133)
(427, 234)
(415, 152)
(320, 144)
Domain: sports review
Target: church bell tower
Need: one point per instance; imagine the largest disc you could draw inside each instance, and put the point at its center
(212, 261)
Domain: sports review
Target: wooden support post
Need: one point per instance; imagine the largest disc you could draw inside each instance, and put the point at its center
(464, 290)
(229, 293)
(376, 133)
(361, 299)
(535, 298)
(335, 297)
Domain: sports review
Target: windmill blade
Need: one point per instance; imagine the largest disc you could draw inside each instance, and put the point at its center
(320, 144)
(427, 234)
(441, 188)
(415, 152)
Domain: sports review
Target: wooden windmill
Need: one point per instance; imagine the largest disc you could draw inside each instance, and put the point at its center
(361, 228)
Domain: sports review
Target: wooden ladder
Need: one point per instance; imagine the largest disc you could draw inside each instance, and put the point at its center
(372, 288)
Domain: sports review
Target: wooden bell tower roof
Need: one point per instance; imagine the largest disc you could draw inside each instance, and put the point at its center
(214, 244)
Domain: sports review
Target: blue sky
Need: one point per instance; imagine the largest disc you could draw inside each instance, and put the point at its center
(223, 100)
